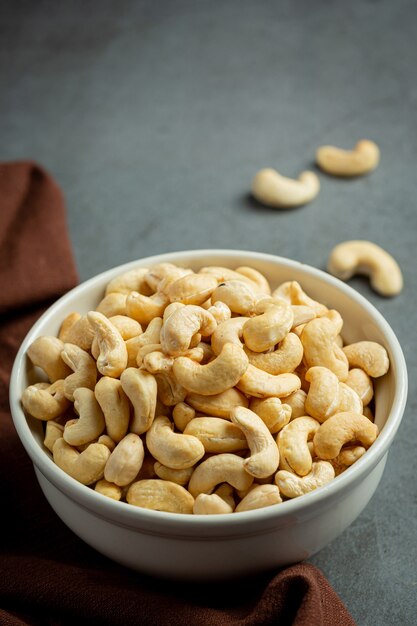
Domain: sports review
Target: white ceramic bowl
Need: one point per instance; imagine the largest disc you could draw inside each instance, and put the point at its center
(220, 546)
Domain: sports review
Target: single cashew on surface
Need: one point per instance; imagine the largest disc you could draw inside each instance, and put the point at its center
(220, 374)
(264, 458)
(364, 257)
(293, 486)
(292, 442)
(369, 356)
(279, 192)
(87, 467)
(160, 495)
(341, 429)
(338, 162)
(112, 359)
(175, 450)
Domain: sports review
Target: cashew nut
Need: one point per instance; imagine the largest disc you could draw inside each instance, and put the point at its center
(132, 280)
(53, 431)
(77, 329)
(320, 349)
(115, 406)
(125, 461)
(264, 331)
(260, 384)
(144, 308)
(292, 442)
(192, 289)
(277, 191)
(108, 489)
(369, 356)
(217, 434)
(272, 412)
(225, 491)
(302, 314)
(182, 413)
(178, 330)
(259, 497)
(220, 468)
(264, 458)
(210, 504)
(323, 396)
(349, 400)
(112, 359)
(220, 374)
(67, 324)
(175, 450)
(160, 276)
(293, 486)
(292, 292)
(90, 424)
(338, 162)
(340, 429)
(347, 457)
(285, 359)
(45, 352)
(218, 405)
(364, 257)
(220, 311)
(229, 331)
(224, 274)
(113, 304)
(45, 401)
(238, 295)
(83, 366)
(160, 495)
(360, 382)
(87, 467)
(179, 476)
(170, 391)
(256, 277)
(296, 401)
(141, 389)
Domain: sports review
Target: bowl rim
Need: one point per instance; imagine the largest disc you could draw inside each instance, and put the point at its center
(167, 523)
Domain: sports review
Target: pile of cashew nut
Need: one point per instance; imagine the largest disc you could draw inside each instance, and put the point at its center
(204, 392)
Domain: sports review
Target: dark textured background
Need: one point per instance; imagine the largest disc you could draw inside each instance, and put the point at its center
(154, 117)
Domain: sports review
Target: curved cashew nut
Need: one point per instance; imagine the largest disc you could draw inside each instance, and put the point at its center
(125, 461)
(170, 392)
(115, 406)
(132, 280)
(160, 495)
(152, 332)
(45, 401)
(364, 257)
(293, 486)
(182, 413)
(369, 356)
(292, 292)
(347, 457)
(45, 352)
(192, 289)
(229, 331)
(323, 397)
(259, 497)
(302, 314)
(348, 400)
(338, 162)
(144, 308)
(360, 382)
(113, 304)
(220, 468)
(175, 450)
(296, 401)
(178, 330)
(161, 275)
(53, 431)
(286, 358)
(83, 366)
(87, 467)
(128, 329)
(239, 296)
(264, 331)
(220, 374)
(264, 458)
(225, 274)
(90, 424)
(256, 277)
(141, 389)
(340, 429)
(292, 442)
(210, 504)
(112, 359)
(218, 405)
(108, 489)
(77, 329)
(217, 434)
(220, 311)
(320, 349)
(179, 476)
(260, 384)
(277, 191)
(272, 412)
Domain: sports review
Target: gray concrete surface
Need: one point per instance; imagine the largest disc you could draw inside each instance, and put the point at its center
(154, 116)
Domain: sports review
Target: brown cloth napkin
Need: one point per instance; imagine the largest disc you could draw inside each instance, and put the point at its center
(47, 575)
